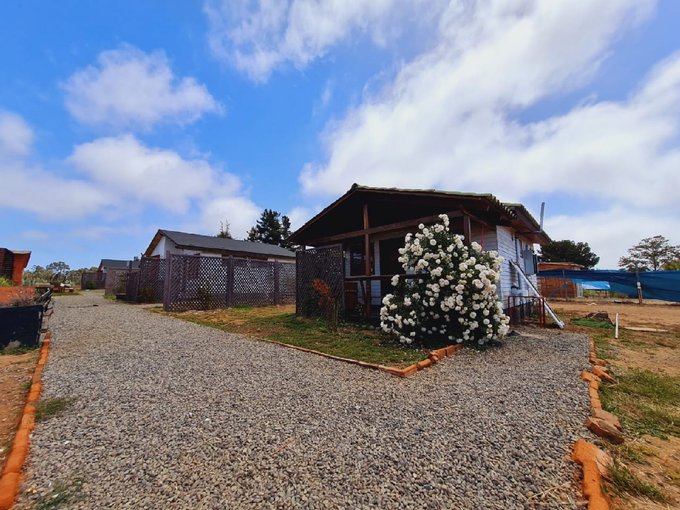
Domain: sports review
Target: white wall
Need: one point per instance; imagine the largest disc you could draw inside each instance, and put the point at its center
(506, 249)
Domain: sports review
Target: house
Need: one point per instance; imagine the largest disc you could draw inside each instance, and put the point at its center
(106, 264)
(181, 243)
(366, 227)
(13, 263)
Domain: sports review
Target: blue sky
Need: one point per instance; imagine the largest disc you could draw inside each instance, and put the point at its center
(117, 119)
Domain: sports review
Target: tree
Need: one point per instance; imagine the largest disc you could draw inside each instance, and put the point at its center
(271, 228)
(652, 253)
(58, 271)
(569, 251)
(224, 232)
(672, 266)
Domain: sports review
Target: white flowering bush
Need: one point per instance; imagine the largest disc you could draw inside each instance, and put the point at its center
(451, 291)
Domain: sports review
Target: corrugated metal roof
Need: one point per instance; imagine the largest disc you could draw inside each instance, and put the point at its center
(212, 243)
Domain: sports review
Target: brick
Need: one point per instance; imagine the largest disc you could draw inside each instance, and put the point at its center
(604, 429)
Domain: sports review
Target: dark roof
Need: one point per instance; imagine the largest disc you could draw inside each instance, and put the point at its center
(117, 264)
(391, 205)
(528, 225)
(212, 243)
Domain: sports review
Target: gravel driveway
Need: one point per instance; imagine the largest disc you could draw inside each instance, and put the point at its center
(169, 414)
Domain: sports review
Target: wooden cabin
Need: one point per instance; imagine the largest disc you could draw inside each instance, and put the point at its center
(367, 226)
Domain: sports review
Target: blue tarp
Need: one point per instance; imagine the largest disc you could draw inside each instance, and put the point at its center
(664, 285)
(594, 285)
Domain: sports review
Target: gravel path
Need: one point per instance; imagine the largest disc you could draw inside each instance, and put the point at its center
(169, 414)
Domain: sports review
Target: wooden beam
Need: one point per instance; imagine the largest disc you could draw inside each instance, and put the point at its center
(367, 262)
(381, 229)
(467, 229)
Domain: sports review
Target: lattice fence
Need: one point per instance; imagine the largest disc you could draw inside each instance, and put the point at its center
(151, 281)
(116, 282)
(201, 283)
(324, 264)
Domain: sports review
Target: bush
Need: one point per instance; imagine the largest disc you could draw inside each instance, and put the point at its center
(452, 293)
(6, 282)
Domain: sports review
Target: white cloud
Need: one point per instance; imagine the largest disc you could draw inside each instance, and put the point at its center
(112, 177)
(48, 194)
(126, 167)
(451, 117)
(611, 232)
(259, 37)
(239, 211)
(132, 89)
(16, 136)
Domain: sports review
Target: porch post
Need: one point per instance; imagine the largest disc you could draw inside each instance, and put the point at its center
(367, 263)
(467, 229)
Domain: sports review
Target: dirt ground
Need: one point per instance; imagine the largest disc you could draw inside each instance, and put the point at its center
(656, 351)
(650, 350)
(16, 371)
(650, 314)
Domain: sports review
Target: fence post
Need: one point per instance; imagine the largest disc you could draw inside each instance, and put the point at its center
(277, 290)
(230, 281)
(167, 286)
(298, 294)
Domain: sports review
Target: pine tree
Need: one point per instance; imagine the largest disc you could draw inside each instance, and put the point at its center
(224, 232)
(271, 228)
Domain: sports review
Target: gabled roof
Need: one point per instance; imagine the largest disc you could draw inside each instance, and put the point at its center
(117, 264)
(393, 205)
(218, 244)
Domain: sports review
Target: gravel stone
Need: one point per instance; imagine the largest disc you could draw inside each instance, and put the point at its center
(169, 414)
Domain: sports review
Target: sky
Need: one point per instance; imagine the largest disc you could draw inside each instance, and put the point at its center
(120, 118)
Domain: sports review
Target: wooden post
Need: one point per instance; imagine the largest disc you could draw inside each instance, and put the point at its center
(367, 263)
(167, 283)
(298, 294)
(467, 229)
(277, 294)
(230, 281)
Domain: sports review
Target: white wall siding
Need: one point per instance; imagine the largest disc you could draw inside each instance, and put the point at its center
(159, 250)
(506, 249)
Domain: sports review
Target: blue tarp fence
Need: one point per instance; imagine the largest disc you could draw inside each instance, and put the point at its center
(664, 285)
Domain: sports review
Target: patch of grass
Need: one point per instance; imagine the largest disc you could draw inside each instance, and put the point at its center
(603, 347)
(112, 298)
(279, 324)
(16, 351)
(625, 482)
(61, 493)
(592, 323)
(630, 452)
(647, 402)
(49, 407)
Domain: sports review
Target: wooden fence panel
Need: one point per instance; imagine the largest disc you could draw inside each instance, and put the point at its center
(325, 264)
(201, 283)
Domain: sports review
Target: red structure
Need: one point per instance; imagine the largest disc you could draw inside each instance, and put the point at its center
(558, 287)
(13, 263)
